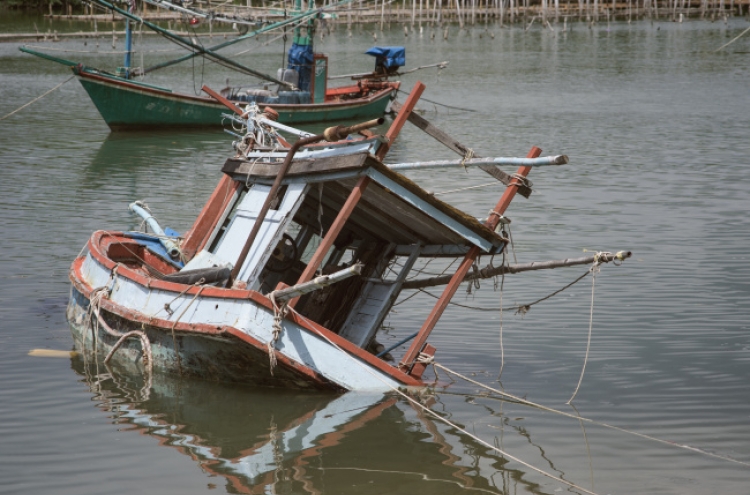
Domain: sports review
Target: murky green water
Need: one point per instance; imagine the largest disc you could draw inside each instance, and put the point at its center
(656, 127)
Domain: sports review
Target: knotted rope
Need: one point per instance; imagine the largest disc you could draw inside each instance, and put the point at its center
(95, 310)
(279, 313)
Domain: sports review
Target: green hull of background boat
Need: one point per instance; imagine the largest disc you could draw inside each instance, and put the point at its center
(126, 104)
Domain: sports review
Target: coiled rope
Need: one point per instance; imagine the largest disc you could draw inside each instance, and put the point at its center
(279, 313)
(94, 310)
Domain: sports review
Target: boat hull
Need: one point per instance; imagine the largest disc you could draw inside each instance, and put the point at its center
(131, 105)
(220, 357)
(209, 332)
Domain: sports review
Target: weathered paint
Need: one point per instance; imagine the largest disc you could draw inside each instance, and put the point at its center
(313, 354)
(126, 104)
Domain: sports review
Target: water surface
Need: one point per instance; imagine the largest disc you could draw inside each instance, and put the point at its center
(655, 123)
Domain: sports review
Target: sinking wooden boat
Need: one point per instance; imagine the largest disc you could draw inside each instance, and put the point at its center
(299, 93)
(282, 279)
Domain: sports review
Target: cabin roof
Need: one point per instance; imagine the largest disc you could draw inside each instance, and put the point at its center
(393, 208)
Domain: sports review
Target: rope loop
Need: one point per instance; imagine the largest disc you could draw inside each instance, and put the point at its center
(423, 358)
(522, 181)
(468, 156)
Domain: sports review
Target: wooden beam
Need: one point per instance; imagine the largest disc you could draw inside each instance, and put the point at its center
(398, 123)
(333, 232)
(410, 358)
(453, 144)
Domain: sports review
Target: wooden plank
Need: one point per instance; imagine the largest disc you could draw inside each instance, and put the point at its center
(453, 144)
(298, 167)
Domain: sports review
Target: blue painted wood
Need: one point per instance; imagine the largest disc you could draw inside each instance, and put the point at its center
(269, 235)
(430, 210)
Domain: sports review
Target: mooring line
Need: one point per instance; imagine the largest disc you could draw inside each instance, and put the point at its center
(521, 400)
(735, 39)
(36, 99)
(447, 421)
(463, 109)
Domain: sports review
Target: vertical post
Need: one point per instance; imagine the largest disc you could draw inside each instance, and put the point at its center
(332, 234)
(400, 120)
(128, 40)
(411, 354)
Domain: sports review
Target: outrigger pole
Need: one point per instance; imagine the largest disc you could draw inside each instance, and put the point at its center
(270, 27)
(198, 50)
(410, 358)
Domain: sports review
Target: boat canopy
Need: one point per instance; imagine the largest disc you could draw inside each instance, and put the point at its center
(393, 209)
(390, 57)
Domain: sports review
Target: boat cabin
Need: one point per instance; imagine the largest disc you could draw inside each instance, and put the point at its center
(333, 209)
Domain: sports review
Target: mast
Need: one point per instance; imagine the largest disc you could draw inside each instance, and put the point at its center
(128, 40)
(300, 57)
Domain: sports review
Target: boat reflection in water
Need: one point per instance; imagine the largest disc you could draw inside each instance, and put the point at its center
(268, 441)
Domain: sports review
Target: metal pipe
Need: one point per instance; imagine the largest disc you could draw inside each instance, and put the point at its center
(341, 132)
(315, 284)
(492, 271)
(173, 249)
(478, 162)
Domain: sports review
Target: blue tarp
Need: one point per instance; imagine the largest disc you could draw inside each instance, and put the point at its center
(301, 59)
(390, 57)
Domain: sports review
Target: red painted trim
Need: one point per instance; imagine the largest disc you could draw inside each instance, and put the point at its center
(197, 236)
(193, 328)
(333, 233)
(401, 118)
(102, 239)
(211, 102)
(463, 269)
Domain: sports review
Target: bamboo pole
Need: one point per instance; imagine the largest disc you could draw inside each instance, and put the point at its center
(490, 271)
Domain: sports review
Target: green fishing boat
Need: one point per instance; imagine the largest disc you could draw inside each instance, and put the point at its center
(299, 93)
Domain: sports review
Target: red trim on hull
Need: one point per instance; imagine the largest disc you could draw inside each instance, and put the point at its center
(300, 107)
(98, 241)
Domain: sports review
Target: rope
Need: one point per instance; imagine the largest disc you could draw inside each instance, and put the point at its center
(448, 422)
(520, 309)
(36, 99)
(465, 188)
(468, 156)
(735, 39)
(502, 346)
(440, 104)
(521, 400)
(279, 313)
(94, 309)
(595, 269)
